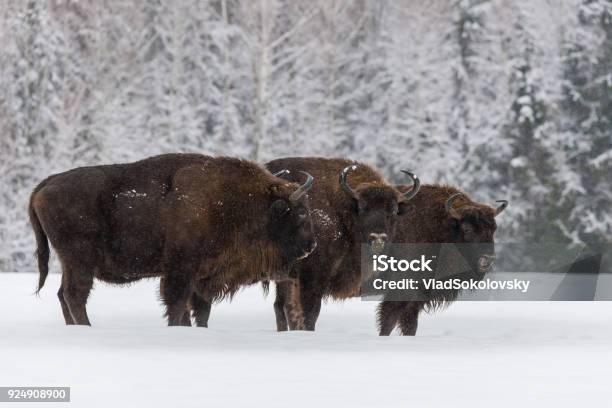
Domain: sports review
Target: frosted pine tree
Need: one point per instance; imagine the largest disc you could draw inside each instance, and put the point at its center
(284, 61)
(482, 98)
(411, 100)
(36, 72)
(587, 123)
(533, 164)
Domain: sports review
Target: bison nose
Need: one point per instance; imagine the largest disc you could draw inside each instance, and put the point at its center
(377, 241)
(378, 237)
(485, 262)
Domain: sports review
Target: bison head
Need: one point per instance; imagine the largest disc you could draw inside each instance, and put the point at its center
(376, 207)
(290, 227)
(474, 224)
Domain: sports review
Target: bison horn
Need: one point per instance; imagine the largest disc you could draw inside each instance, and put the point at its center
(449, 206)
(281, 173)
(343, 183)
(502, 207)
(416, 185)
(303, 189)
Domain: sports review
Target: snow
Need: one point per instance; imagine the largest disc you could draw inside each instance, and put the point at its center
(476, 354)
(519, 162)
(131, 194)
(526, 114)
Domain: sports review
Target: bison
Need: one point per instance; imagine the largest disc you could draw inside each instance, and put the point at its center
(445, 216)
(352, 205)
(221, 222)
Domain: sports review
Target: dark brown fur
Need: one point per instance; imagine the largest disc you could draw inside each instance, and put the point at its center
(429, 222)
(334, 269)
(188, 218)
(342, 225)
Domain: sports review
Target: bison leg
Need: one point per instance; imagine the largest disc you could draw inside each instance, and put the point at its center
(201, 309)
(186, 319)
(175, 292)
(409, 318)
(176, 285)
(387, 316)
(66, 312)
(311, 305)
(200, 302)
(76, 285)
(279, 307)
(294, 312)
(288, 306)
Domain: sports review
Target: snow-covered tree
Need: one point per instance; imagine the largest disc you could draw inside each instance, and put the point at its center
(587, 123)
(36, 66)
(507, 100)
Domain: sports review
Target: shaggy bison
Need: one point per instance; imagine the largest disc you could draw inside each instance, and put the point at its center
(220, 222)
(445, 216)
(351, 205)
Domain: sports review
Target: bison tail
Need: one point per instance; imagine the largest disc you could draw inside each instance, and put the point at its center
(265, 286)
(42, 244)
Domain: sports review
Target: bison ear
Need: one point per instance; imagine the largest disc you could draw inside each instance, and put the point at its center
(404, 208)
(279, 208)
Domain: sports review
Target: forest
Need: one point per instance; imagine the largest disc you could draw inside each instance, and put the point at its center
(504, 99)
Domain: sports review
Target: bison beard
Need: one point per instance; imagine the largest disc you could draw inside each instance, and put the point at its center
(219, 222)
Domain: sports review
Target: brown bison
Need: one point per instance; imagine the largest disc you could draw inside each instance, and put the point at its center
(220, 222)
(351, 205)
(445, 215)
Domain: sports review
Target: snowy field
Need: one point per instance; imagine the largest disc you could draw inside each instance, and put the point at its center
(475, 354)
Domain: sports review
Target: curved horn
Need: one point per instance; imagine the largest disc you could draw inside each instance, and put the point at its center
(416, 185)
(449, 206)
(303, 189)
(345, 187)
(281, 173)
(502, 207)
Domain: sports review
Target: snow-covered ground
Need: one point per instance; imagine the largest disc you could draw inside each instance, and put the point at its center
(475, 354)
